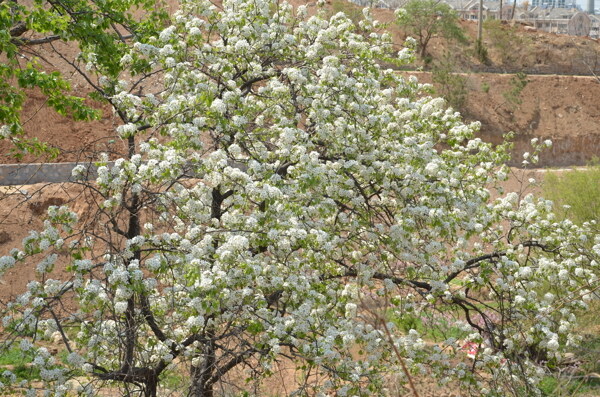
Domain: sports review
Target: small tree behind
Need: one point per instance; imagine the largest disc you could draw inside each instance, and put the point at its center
(510, 47)
(426, 19)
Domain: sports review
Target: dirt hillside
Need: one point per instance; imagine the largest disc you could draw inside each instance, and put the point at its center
(561, 108)
(564, 109)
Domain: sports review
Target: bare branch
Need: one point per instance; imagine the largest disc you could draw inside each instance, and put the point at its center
(27, 42)
(18, 29)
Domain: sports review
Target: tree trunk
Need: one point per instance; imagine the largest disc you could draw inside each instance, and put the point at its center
(200, 386)
(500, 15)
(512, 15)
(480, 21)
(151, 388)
(201, 375)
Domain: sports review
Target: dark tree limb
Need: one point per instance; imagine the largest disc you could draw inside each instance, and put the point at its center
(18, 29)
(25, 42)
(475, 262)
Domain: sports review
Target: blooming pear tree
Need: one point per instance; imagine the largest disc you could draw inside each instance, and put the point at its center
(286, 199)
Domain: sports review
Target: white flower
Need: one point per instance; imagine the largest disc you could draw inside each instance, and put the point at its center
(563, 274)
(241, 45)
(5, 131)
(75, 359)
(432, 168)
(167, 34)
(351, 310)
(194, 32)
(78, 172)
(46, 263)
(83, 264)
(126, 59)
(121, 307)
(25, 345)
(127, 130)
(6, 262)
(553, 344)
(12, 378)
(219, 106)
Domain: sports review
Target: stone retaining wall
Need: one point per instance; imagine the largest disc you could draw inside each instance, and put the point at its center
(28, 174)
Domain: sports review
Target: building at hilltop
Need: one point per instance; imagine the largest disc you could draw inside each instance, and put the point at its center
(549, 3)
(561, 21)
(470, 9)
(553, 16)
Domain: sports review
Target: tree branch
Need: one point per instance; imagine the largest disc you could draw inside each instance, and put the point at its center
(18, 29)
(23, 41)
(229, 366)
(474, 262)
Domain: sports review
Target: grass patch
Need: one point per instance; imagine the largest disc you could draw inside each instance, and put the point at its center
(13, 356)
(577, 189)
(19, 364)
(558, 387)
(588, 351)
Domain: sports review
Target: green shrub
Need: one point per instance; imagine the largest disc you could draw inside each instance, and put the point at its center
(510, 46)
(452, 86)
(512, 96)
(426, 19)
(485, 87)
(481, 52)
